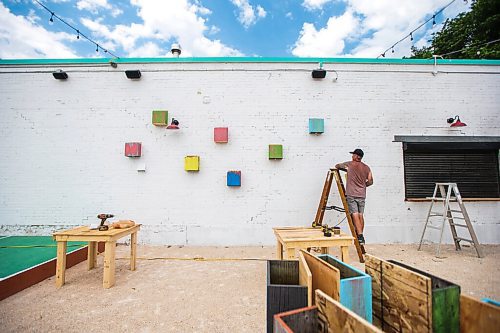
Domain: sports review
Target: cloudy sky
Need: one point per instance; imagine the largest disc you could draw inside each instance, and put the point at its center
(218, 28)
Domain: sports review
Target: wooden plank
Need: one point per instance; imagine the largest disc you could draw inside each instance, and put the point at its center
(109, 264)
(305, 278)
(337, 318)
(320, 213)
(402, 299)
(324, 276)
(477, 316)
(92, 255)
(133, 251)
(61, 264)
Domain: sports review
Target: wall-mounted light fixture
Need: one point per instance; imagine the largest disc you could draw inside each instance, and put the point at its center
(133, 74)
(319, 73)
(174, 124)
(176, 50)
(60, 75)
(455, 122)
(113, 64)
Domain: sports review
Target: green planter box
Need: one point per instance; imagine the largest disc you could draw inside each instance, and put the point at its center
(160, 118)
(275, 152)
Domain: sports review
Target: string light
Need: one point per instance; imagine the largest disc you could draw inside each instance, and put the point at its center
(78, 33)
(433, 18)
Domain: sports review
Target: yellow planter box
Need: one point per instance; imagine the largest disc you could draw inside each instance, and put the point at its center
(192, 163)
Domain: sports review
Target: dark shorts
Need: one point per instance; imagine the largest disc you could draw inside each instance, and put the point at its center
(356, 205)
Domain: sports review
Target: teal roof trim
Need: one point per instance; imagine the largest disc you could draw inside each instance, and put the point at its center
(247, 60)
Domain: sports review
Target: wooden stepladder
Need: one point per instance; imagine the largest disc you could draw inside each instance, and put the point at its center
(322, 207)
(449, 193)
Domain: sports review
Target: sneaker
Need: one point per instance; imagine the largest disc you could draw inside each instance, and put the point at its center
(361, 239)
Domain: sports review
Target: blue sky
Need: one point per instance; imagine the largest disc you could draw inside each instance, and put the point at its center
(218, 28)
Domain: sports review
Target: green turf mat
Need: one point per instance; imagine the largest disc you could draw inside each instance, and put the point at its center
(18, 253)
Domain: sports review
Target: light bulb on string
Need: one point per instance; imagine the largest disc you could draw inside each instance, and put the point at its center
(383, 55)
(51, 17)
(411, 36)
(78, 34)
(97, 47)
(392, 50)
(433, 19)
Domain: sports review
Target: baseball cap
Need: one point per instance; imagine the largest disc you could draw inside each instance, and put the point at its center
(358, 152)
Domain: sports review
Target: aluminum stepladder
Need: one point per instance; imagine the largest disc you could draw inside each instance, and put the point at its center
(320, 213)
(449, 193)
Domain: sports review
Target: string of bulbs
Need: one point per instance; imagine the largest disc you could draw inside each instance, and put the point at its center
(433, 18)
(78, 32)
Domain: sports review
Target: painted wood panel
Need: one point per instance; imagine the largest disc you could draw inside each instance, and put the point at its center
(160, 118)
(234, 178)
(477, 316)
(192, 163)
(283, 290)
(133, 149)
(355, 287)
(316, 125)
(275, 152)
(221, 134)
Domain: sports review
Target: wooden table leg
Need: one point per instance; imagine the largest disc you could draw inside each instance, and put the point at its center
(324, 250)
(290, 253)
(61, 264)
(109, 264)
(345, 253)
(133, 250)
(92, 255)
(279, 250)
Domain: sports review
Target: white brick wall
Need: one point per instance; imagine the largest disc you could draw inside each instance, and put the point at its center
(62, 145)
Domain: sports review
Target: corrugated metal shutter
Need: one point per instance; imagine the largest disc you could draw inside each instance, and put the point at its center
(475, 172)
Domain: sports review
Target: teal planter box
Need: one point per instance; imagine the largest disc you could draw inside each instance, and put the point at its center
(355, 288)
(445, 302)
(316, 125)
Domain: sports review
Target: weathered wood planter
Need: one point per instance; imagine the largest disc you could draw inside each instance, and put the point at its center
(445, 301)
(284, 293)
(355, 287)
(327, 315)
(407, 299)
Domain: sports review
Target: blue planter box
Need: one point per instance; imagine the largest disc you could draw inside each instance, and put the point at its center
(234, 178)
(355, 287)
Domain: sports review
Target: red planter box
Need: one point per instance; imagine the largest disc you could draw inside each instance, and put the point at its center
(133, 149)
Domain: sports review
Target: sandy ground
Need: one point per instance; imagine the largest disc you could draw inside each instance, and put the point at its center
(202, 296)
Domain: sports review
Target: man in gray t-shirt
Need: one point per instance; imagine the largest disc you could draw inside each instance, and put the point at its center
(359, 177)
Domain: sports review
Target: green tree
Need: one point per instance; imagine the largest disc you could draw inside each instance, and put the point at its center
(470, 35)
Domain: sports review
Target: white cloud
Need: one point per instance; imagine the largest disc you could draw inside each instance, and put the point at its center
(327, 41)
(314, 4)
(94, 6)
(382, 21)
(248, 15)
(164, 21)
(21, 38)
(289, 15)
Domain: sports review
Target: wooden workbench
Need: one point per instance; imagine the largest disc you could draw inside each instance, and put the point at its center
(85, 234)
(291, 239)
